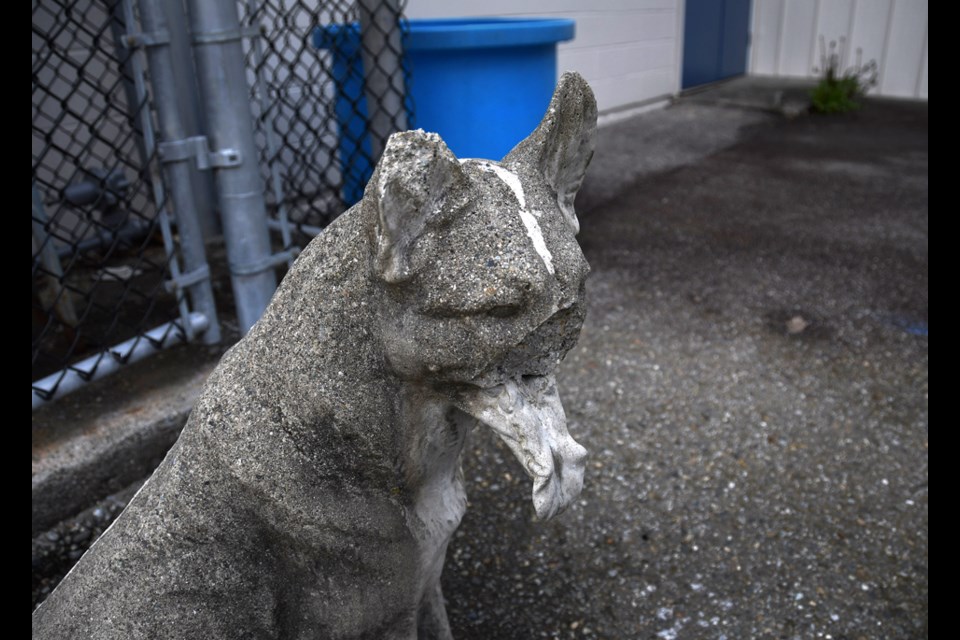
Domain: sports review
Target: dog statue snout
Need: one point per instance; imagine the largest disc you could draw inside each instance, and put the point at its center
(526, 413)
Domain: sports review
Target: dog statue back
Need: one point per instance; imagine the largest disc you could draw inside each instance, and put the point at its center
(317, 483)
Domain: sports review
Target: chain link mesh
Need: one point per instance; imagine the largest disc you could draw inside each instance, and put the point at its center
(314, 131)
(99, 264)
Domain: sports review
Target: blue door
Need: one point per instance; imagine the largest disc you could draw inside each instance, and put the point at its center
(715, 35)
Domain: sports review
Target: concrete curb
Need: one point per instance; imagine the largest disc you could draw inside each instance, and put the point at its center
(103, 438)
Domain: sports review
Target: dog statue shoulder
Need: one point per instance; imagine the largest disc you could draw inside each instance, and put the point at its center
(317, 483)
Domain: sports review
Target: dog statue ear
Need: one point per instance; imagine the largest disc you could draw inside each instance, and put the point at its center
(562, 145)
(418, 181)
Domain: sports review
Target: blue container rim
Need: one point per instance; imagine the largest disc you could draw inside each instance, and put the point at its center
(458, 33)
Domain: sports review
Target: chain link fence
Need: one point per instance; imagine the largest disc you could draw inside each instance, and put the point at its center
(318, 139)
(107, 242)
(99, 259)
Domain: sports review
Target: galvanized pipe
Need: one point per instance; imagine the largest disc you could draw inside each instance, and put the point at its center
(191, 113)
(120, 25)
(272, 146)
(223, 87)
(149, 147)
(277, 225)
(181, 193)
(105, 363)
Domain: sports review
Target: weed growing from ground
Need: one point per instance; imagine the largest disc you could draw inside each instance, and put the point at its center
(839, 87)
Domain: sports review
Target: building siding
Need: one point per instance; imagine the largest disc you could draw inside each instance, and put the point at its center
(628, 50)
(786, 33)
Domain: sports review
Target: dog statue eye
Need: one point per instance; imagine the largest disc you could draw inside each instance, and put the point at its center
(504, 311)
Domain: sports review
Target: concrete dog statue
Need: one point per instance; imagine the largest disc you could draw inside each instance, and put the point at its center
(317, 483)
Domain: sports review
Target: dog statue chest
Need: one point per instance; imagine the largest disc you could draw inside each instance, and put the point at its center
(436, 436)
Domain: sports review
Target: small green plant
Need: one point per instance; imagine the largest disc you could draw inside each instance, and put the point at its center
(840, 88)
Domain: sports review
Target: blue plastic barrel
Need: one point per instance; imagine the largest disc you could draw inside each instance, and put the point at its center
(483, 84)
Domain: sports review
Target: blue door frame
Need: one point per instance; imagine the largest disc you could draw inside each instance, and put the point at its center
(715, 37)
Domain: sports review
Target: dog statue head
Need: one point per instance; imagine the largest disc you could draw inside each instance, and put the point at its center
(483, 279)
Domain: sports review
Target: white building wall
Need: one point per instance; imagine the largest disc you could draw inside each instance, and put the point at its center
(785, 39)
(628, 50)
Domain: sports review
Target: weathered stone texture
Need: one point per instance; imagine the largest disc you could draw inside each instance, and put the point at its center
(317, 482)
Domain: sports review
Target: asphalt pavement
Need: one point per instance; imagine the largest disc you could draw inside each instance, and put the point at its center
(751, 383)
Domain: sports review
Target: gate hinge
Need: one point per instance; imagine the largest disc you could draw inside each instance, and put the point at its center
(269, 262)
(188, 279)
(196, 147)
(134, 40)
(229, 35)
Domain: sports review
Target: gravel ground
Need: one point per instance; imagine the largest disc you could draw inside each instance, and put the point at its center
(55, 551)
(751, 383)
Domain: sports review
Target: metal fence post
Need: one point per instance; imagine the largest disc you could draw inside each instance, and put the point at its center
(223, 86)
(191, 114)
(282, 220)
(383, 85)
(119, 29)
(196, 276)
